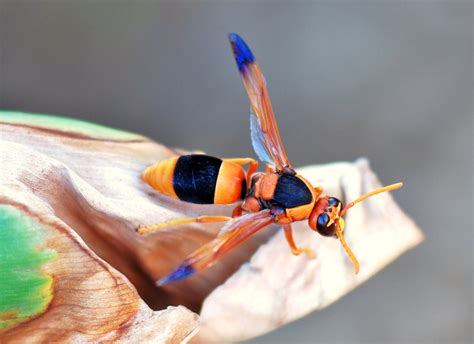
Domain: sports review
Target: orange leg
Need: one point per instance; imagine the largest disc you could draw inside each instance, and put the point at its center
(243, 161)
(295, 250)
(237, 211)
(200, 219)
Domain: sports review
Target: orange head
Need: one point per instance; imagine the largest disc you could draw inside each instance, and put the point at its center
(326, 217)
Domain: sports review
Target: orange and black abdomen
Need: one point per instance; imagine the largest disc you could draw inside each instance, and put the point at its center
(198, 178)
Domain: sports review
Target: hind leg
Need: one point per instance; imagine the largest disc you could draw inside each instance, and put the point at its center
(200, 219)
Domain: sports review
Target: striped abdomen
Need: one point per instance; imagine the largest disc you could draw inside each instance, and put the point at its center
(198, 178)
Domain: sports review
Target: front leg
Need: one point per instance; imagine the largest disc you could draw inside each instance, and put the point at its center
(294, 249)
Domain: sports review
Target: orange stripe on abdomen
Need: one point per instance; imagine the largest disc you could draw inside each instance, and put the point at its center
(229, 183)
(160, 176)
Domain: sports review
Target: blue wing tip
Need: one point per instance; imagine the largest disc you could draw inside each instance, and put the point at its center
(182, 271)
(242, 53)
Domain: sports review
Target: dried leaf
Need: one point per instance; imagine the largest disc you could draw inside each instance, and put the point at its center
(52, 286)
(75, 191)
(55, 289)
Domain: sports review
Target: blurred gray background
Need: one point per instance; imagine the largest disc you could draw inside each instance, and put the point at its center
(389, 80)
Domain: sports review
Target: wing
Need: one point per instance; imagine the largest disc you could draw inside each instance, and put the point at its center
(265, 133)
(258, 140)
(233, 233)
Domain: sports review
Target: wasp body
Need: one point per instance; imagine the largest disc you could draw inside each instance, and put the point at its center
(280, 195)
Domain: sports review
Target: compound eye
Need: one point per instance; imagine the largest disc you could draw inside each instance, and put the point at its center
(333, 201)
(322, 225)
(323, 220)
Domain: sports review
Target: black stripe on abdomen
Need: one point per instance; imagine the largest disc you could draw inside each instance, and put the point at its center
(195, 177)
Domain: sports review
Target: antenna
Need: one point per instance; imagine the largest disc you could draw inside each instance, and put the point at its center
(351, 255)
(350, 205)
(370, 194)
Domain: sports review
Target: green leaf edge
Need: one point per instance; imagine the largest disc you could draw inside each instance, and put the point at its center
(25, 290)
(67, 125)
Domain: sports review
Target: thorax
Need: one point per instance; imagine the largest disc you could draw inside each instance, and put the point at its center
(283, 191)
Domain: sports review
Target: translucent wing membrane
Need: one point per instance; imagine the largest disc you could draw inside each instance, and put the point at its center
(258, 141)
(234, 232)
(254, 82)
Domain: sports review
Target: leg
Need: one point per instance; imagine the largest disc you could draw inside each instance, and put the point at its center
(243, 161)
(200, 219)
(295, 250)
(237, 211)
